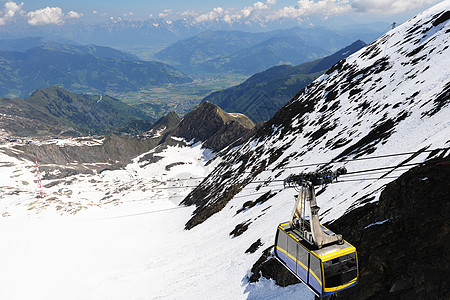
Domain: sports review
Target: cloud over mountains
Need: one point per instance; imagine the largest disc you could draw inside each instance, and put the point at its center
(43, 16)
(259, 11)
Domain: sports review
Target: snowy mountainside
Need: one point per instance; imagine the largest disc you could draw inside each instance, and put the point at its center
(390, 97)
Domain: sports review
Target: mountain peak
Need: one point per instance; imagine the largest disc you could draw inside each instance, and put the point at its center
(210, 124)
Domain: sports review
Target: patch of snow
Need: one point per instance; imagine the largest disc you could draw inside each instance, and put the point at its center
(376, 223)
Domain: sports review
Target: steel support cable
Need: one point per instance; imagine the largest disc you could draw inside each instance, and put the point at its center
(316, 164)
(382, 168)
(377, 171)
(365, 179)
(167, 209)
(345, 160)
(282, 180)
(143, 213)
(242, 196)
(359, 159)
(170, 198)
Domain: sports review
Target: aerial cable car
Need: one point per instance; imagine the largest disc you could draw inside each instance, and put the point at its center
(321, 259)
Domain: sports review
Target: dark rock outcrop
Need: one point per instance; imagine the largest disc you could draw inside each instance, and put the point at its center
(112, 153)
(208, 123)
(403, 240)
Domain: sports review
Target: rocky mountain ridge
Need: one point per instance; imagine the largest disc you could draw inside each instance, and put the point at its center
(208, 125)
(56, 111)
(80, 69)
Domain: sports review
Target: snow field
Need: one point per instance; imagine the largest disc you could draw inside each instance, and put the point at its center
(134, 248)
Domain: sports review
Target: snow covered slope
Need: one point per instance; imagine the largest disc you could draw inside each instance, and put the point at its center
(127, 240)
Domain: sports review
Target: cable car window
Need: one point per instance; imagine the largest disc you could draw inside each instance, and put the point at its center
(292, 250)
(282, 240)
(340, 270)
(302, 263)
(315, 268)
(302, 255)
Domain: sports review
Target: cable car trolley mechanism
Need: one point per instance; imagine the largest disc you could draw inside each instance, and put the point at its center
(321, 259)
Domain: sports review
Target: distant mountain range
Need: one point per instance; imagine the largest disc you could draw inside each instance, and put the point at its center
(192, 52)
(121, 33)
(25, 44)
(249, 53)
(260, 96)
(80, 69)
(56, 111)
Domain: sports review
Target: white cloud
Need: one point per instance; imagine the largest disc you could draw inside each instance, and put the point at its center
(50, 15)
(188, 13)
(73, 15)
(306, 8)
(215, 14)
(10, 10)
(389, 6)
(324, 7)
(249, 12)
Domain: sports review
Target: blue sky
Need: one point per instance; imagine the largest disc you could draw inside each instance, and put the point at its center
(42, 12)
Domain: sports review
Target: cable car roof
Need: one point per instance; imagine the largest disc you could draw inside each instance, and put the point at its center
(326, 253)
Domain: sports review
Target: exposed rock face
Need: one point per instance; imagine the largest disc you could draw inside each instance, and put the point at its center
(84, 155)
(402, 240)
(163, 125)
(208, 123)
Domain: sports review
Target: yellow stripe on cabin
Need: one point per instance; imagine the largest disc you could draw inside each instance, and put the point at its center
(299, 263)
(339, 253)
(297, 240)
(337, 288)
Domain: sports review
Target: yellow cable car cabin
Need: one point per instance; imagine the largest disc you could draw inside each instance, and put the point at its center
(317, 256)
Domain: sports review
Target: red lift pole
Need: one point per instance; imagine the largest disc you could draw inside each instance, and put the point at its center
(38, 174)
